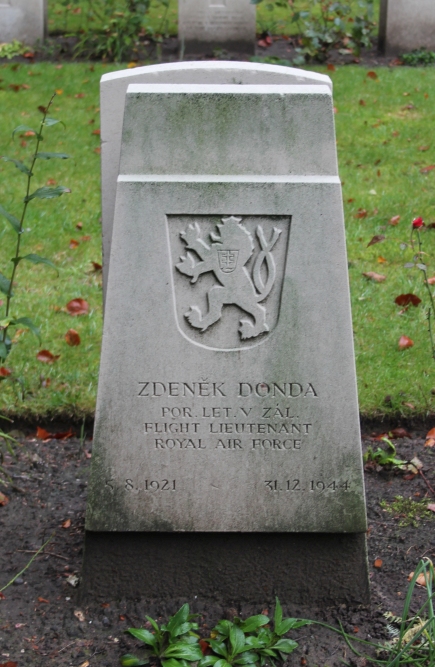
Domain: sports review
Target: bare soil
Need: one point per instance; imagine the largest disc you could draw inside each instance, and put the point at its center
(40, 623)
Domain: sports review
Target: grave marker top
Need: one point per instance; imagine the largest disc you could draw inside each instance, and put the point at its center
(112, 93)
(23, 20)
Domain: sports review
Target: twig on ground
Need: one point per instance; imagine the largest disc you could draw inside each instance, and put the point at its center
(428, 484)
(47, 553)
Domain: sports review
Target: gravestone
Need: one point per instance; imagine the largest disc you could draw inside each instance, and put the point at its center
(23, 20)
(113, 88)
(405, 26)
(227, 435)
(205, 25)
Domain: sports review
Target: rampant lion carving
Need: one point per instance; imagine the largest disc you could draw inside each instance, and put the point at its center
(226, 258)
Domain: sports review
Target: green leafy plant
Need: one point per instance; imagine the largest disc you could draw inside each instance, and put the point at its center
(384, 457)
(7, 444)
(11, 49)
(174, 644)
(328, 25)
(10, 318)
(122, 24)
(252, 641)
(418, 58)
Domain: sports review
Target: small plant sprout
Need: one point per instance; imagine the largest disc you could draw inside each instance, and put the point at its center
(419, 263)
(10, 318)
(384, 457)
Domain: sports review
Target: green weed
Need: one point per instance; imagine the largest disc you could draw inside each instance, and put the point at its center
(410, 512)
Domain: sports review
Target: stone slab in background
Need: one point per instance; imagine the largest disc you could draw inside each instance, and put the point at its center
(406, 25)
(216, 24)
(23, 20)
(113, 89)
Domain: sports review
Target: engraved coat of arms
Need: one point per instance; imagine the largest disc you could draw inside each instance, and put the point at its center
(225, 254)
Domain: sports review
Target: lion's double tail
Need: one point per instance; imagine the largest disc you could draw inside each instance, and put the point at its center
(265, 255)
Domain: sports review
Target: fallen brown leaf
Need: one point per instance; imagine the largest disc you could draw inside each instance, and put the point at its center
(97, 267)
(43, 600)
(77, 307)
(378, 563)
(378, 238)
(66, 524)
(423, 148)
(405, 342)
(426, 170)
(4, 372)
(394, 220)
(421, 580)
(431, 507)
(47, 357)
(330, 67)
(431, 281)
(73, 244)
(3, 500)
(407, 300)
(372, 275)
(430, 442)
(400, 433)
(362, 213)
(72, 338)
(372, 75)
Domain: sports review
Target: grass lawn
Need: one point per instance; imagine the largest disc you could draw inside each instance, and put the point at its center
(74, 16)
(383, 125)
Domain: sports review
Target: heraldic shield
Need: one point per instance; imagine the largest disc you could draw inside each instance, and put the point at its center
(227, 277)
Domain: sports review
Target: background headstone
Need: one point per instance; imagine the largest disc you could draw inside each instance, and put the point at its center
(406, 25)
(113, 88)
(227, 399)
(23, 20)
(205, 25)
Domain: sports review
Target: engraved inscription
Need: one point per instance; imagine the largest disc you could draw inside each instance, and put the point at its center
(226, 258)
(310, 486)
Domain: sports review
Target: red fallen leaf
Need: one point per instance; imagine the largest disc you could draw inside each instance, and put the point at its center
(97, 150)
(79, 95)
(46, 357)
(426, 170)
(15, 87)
(381, 436)
(96, 132)
(349, 201)
(51, 181)
(72, 338)
(85, 238)
(73, 244)
(330, 67)
(28, 54)
(431, 507)
(423, 148)
(362, 213)
(43, 600)
(4, 372)
(25, 86)
(9, 663)
(79, 225)
(372, 275)
(395, 133)
(378, 563)
(303, 662)
(42, 434)
(121, 617)
(405, 342)
(66, 524)
(362, 103)
(29, 133)
(2, 597)
(355, 629)
(431, 433)
(407, 300)
(381, 260)
(97, 267)
(3, 499)
(77, 307)
(262, 43)
(409, 477)
(394, 220)
(430, 442)
(205, 647)
(372, 75)
(378, 238)
(400, 433)
(431, 281)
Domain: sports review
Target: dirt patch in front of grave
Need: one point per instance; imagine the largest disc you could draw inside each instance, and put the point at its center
(39, 619)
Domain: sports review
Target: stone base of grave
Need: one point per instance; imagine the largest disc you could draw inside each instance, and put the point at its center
(306, 569)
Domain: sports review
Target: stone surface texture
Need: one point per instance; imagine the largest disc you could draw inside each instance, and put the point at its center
(23, 20)
(214, 24)
(406, 25)
(227, 397)
(113, 89)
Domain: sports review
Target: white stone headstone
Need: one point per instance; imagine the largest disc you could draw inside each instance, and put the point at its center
(23, 20)
(204, 25)
(227, 396)
(113, 89)
(406, 25)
